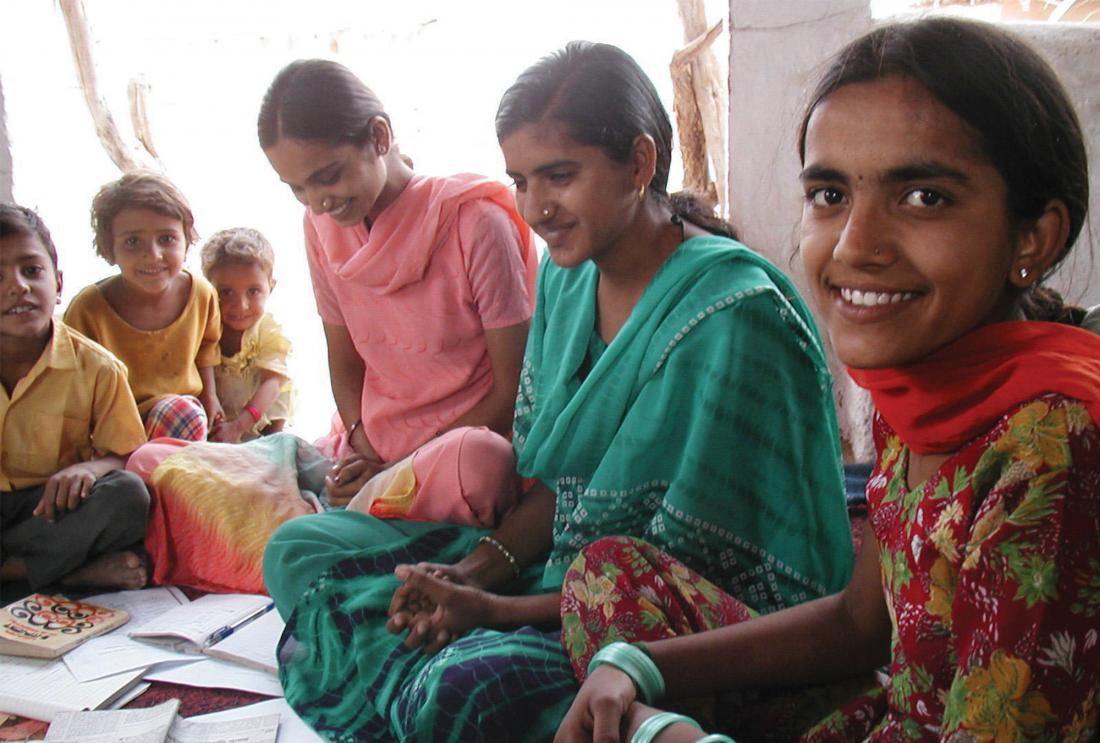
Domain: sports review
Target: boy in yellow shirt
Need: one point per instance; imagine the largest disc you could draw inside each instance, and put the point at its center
(69, 512)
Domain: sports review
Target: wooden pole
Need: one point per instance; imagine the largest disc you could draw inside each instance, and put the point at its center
(689, 126)
(709, 92)
(77, 25)
(138, 93)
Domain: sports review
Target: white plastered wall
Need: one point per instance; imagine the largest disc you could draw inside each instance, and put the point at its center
(777, 51)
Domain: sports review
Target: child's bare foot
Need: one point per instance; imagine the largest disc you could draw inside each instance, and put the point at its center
(115, 570)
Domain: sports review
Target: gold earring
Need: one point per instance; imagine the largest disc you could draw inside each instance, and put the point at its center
(641, 193)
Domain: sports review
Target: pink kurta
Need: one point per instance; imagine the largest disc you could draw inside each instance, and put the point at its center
(449, 259)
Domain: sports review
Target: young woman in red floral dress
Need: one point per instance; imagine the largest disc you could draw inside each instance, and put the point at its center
(945, 177)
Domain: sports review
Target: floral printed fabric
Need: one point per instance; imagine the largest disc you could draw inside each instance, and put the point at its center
(621, 589)
(624, 589)
(991, 570)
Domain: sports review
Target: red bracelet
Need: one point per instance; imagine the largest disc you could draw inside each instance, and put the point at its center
(254, 412)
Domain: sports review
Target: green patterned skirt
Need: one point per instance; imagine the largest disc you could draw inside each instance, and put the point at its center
(331, 576)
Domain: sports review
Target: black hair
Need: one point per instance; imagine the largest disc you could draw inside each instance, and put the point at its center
(20, 221)
(315, 99)
(604, 99)
(1006, 93)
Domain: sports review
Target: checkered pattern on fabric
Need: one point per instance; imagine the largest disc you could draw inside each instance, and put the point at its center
(177, 417)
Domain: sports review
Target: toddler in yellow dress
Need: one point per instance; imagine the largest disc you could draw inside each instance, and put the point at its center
(252, 381)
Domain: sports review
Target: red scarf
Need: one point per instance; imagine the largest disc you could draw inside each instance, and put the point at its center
(951, 397)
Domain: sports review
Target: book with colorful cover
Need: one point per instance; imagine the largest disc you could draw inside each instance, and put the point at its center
(41, 626)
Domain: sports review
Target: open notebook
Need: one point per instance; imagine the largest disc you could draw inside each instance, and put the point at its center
(236, 627)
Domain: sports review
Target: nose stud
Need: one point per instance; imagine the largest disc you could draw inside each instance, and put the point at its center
(326, 204)
(877, 251)
(546, 212)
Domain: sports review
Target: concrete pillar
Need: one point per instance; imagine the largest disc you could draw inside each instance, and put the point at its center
(777, 49)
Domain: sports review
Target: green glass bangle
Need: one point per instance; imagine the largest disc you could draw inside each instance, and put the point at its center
(635, 663)
(716, 738)
(648, 731)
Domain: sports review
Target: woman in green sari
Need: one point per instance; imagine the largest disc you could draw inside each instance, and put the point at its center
(674, 388)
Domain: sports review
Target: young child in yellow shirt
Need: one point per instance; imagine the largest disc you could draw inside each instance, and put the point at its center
(157, 317)
(252, 380)
(69, 512)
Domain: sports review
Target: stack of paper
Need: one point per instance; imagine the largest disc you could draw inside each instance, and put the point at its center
(106, 670)
(41, 689)
(160, 724)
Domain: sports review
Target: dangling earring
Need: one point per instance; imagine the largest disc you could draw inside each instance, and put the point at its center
(1024, 273)
(641, 193)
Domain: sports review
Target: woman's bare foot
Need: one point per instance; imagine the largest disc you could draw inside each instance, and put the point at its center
(115, 570)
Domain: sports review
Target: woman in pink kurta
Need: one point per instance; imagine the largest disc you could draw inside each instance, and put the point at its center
(424, 286)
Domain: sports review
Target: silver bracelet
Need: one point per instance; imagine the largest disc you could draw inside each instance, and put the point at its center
(354, 427)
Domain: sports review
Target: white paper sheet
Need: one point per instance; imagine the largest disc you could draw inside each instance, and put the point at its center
(115, 652)
(160, 724)
(149, 725)
(40, 689)
(263, 729)
(131, 694)
(212, 673)
(253, 644)
(291, 727)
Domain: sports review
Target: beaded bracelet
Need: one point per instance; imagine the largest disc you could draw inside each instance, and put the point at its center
(648, 731)
(504, 551)
(254, 412)
(635, 663)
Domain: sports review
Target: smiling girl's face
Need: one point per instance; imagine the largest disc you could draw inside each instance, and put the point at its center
(906, 235)
(149, 249)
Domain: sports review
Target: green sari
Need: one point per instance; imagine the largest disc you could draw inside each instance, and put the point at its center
(706, 427)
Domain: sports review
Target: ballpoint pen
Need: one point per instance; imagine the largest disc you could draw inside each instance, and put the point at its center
(223, 632)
